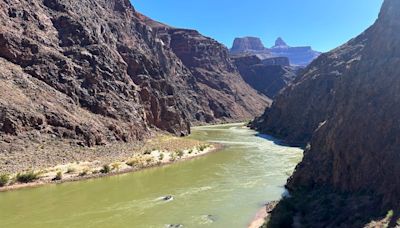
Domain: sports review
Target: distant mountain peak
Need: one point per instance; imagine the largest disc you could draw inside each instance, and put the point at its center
(280, 43)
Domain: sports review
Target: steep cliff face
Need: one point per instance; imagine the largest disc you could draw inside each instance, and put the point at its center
(347, 105)
(226, 94)
(94, 72)
(309, 100)
(221, 91)
(268, 76)
(357, 146)
(76, 51)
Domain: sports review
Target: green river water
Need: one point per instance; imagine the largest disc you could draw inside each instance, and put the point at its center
(223, 189)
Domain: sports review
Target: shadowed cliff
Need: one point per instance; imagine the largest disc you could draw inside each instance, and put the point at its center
(345, 107)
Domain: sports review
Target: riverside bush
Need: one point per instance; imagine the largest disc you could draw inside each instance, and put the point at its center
(27, 177)
(203, 147)
(180, 153)
(105, 169)
(4, 178)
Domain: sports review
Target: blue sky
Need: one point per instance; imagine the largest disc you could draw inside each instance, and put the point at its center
(323, 24)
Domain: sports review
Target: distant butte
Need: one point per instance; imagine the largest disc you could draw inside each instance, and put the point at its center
(298, 56)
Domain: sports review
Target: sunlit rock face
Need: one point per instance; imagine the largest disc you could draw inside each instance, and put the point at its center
(94, 72)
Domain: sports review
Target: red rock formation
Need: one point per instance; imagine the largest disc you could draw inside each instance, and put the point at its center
(95, 71)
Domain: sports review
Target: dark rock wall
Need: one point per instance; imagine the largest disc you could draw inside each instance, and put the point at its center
(346, 105)
(267, 76)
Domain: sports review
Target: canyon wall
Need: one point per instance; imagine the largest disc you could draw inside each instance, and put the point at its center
(345, 108)
(96, 71)
(268, 76)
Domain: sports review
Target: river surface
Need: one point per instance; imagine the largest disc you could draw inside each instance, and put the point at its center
(222, 189)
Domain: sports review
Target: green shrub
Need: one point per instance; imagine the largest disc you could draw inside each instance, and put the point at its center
(4, 178)
(203, 147)
(58, 176)
(190, 151)
(147, 152)
(180, 153)
(389, 215)
(105, 169)
(136, 162)
(161, 157)
(27, 177)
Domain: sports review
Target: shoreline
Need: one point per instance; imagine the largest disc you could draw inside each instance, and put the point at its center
(262, 215)
(139, 162)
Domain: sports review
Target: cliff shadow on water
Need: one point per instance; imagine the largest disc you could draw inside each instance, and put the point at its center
(277, 141)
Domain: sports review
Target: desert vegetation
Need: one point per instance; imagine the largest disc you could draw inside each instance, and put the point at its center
(157, 151)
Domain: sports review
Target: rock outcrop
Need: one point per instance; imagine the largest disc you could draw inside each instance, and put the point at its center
(95, 72)
(268, 76)
(346, 106)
